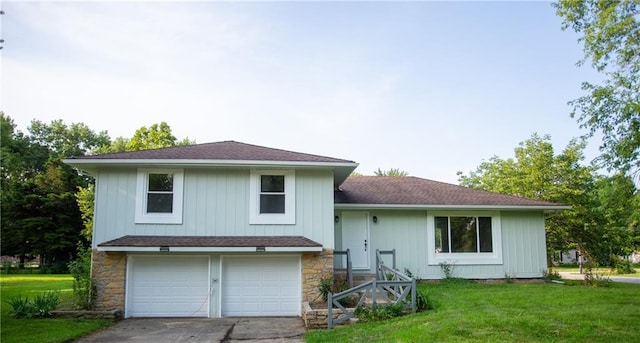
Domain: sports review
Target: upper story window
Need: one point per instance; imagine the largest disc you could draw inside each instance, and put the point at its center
(159, 196)
(272, 198)
(464, 238)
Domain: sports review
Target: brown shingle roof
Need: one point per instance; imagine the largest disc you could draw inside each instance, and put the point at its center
(227, 150)
(388, 190)
(211, 241)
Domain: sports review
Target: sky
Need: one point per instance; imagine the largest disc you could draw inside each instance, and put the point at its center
(431, 88)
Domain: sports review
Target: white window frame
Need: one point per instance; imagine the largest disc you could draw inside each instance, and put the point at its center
(289, 215)
(142, 183)
(466, 258)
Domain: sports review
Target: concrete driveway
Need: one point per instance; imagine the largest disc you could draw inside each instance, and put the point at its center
(192, 330)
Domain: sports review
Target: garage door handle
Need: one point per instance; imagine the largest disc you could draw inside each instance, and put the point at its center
(365, 245)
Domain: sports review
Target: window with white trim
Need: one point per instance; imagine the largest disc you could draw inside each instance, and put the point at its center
(159, 196)
(272, 197)
(464, 237)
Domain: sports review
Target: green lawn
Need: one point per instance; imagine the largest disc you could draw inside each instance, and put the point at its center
(472, 312)
(41, 330)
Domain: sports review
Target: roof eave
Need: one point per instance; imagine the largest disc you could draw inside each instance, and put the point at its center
(342, 206)
(164, 249)
(343, 169)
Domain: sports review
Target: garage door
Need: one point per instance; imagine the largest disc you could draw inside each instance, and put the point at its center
(264, 286)
(168, 286)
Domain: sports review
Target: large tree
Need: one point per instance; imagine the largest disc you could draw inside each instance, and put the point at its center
(537, 172)
(39, 213)
(153, 137)
(610, 34)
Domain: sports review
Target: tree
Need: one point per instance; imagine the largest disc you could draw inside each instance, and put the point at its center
(538, 173)
(66, 141)
(616, 210)
(390, 172)
(154, 137)
(610, 32)
(39, 212)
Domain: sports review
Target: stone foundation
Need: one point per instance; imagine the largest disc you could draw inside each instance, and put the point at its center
(108, 271)
(315, 267)
(315, 318)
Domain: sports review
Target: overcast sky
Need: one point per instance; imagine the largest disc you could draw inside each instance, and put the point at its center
(428, 87)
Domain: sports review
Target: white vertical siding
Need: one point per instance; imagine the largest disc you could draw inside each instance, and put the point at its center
(523, 245)
(216, 203)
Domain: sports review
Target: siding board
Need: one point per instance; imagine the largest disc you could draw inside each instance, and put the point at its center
(216, 203)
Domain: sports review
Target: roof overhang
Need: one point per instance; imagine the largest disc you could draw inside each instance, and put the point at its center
(210, 244)
(91, 166)
(339, 206)
(166, 248)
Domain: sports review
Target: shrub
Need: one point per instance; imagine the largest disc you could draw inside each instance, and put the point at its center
(83, 287)
(378, 313)
(447, 269)
(550, 275)
(622, 266)
(592, 277)
(41, 306)
(9, 268)
(423, 303)
(44, 303)
(333, 285)
(20, 307)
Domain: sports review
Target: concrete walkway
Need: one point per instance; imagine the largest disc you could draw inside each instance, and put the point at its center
(578, 276)
(195, 330)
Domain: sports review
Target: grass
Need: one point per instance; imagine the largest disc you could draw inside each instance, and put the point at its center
(41, 330)
(473, 312)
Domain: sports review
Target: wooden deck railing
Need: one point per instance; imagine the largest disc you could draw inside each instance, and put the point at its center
(390, 285)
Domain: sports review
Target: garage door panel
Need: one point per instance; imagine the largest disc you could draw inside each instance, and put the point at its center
(168, 286)
(265, 286)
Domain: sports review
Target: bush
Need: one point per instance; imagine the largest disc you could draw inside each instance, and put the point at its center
(20, 307)
(423, 303)
(9, 268)
(378, 313)
(54, 268)
(622, 266)
(447, 269)
(44, 303)
(40, 307)
(83, 287)
(333, 285)
(550, 275)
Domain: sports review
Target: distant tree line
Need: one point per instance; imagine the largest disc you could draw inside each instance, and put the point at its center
(46, 205)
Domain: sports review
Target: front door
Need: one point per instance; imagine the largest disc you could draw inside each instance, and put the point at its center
(355, 237)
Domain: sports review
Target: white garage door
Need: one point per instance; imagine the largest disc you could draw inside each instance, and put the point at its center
(168, 286)
(262, 286)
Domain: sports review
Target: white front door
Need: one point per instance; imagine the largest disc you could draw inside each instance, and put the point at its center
(355, 237)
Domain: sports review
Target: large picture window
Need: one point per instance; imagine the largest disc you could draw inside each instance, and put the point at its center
(463, 234)
(464, 237)
(159, 196)
(272, 198)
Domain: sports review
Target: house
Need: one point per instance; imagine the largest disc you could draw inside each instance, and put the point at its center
(233, 229)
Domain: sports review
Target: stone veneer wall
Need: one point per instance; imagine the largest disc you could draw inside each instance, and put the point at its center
(315, 266)
(108, 271)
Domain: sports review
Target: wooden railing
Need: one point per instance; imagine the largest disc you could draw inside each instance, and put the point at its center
(390, 285)
(348, 268)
